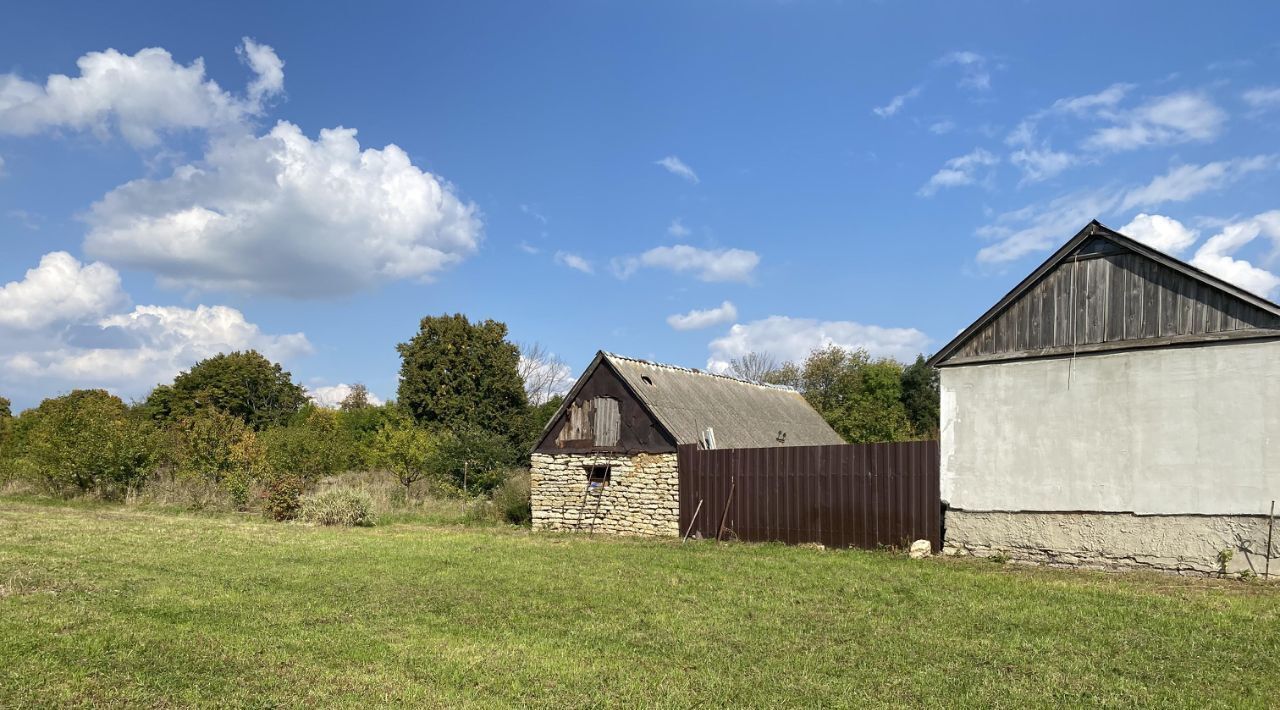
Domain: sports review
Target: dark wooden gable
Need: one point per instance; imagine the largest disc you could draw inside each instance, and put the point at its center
(602, 415)
(1104, 291)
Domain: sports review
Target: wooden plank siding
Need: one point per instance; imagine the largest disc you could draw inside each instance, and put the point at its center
(1095, 302)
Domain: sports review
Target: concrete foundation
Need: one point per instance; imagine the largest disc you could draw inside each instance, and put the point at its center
(1181, 543)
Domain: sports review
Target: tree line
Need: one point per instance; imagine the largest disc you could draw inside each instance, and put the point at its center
(240, 425)
(864, 399)
(469, 407)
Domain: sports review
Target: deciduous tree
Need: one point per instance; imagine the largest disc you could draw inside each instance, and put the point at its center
(860, 397)
(920, 397)
(357, 398)
(87, 441)
(457, 374)
(245, 385)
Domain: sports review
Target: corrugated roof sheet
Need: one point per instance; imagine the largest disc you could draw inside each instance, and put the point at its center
(742, 414)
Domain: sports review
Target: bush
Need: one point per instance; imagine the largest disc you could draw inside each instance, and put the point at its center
(340, 506)
(313, 446)
(219, 448)
(474, 459)
(282, 496)
(407, 451)
(83, 442)
(511, 498)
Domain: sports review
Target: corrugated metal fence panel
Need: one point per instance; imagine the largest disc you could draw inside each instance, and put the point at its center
(853, 495)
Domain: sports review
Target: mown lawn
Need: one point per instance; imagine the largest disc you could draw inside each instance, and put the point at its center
(113, 606)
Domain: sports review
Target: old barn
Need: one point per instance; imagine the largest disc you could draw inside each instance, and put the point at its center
(607, 460)
(1118, 405)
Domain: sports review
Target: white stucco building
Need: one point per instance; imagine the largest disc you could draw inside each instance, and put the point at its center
(1117, 406)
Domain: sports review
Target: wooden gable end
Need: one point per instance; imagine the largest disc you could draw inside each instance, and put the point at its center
(1104, 295)
(603, 416)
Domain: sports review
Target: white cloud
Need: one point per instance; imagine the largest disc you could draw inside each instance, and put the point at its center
(82, 337)
(794, 338)
(1041, 163)
(896, 103)
(940, 128)
(131, 352)
(60, 290)
(573, 261)
(1089, 103)
(1164, 233)
(1167, 120)
(267, 68)
(1186, 181)
(676, 166)
(140, 96)
(707, 264)
(1037, 227)
(961, 170)
(1216, 254)
(330, 397)
(287, 215)
(677, 229)
(697, 319)
(975, 74)
(1263, 97)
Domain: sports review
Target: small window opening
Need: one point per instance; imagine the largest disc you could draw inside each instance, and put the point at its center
(646, 379)
(598, 476)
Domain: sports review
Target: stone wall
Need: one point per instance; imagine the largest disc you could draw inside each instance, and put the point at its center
(642, 497)
(1181, 543)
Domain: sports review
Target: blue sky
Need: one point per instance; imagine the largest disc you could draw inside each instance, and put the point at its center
(678, 181)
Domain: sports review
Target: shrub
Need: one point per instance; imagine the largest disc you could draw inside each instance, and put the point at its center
(84, 442)
(312, 447)
(219, 448)
(474, 459)
(511, 498)
(282, 496)
(340, 506)
(407, 451)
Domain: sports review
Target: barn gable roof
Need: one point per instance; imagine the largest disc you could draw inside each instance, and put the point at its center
(686, 402)
(1105, 291)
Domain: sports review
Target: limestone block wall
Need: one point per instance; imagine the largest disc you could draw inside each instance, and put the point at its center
(642, 497)
(1181, 543)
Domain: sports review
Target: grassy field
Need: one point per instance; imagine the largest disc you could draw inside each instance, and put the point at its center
(113, 606)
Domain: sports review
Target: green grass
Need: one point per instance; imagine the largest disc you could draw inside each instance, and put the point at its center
(104, 605)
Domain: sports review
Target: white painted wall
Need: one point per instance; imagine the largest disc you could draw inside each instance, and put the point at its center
(1176, 430)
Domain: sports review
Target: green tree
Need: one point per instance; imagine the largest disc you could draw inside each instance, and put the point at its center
(474, 459)
(920, 397)
(409, 452)
(860, 397)
(312, 448)
(361, 426)
(243, 384)
(6, 423)
(535, 421)
(221, 449)
(357, 398)
(455, 374)
(86, 441)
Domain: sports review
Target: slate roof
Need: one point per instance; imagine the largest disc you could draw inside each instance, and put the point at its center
(742, 414)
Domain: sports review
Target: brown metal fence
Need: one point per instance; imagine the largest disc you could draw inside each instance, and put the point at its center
(854, 495)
